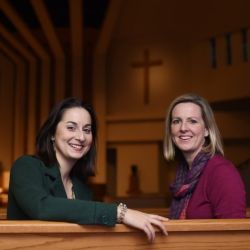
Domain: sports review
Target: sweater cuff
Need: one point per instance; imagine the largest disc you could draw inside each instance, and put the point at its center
(105, 213)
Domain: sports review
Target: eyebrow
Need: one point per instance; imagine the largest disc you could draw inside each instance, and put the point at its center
(191, 117)
(75, 123)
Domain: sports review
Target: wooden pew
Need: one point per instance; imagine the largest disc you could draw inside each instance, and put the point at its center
(183, 234)
(3, 213)
(164, 211)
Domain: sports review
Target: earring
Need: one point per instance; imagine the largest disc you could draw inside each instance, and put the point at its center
(52, 139)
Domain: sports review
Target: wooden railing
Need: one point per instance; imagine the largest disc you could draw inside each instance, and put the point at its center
(183, 234)
(163, 211)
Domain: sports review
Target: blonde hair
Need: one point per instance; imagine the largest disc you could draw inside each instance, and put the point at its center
(213, 140)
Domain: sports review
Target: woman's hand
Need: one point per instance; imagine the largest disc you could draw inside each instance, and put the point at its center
(145, 222)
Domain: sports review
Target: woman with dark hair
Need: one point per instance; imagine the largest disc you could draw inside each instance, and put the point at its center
(206, 185)
(52, 185)
(46, 149)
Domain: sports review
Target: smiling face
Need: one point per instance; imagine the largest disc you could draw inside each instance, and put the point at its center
(188, 130)
(73, 136)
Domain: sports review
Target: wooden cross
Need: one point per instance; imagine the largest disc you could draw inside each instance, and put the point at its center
(146, 64)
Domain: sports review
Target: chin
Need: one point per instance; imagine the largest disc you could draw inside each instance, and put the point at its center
(185, 150)
(77, 156)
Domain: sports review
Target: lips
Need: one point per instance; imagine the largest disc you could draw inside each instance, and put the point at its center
(76, 146)
(185, 138)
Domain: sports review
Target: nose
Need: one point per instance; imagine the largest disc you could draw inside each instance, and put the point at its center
(183, 126)
(80, 135)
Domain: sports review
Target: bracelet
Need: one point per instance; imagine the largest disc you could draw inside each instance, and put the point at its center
(123, 209)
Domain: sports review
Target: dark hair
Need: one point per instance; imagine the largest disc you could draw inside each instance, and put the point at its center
(44, 146)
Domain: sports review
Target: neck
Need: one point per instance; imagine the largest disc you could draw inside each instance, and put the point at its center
(189, 159)
(65, 175)
(67, 183)
(189, 162)
(65, 168)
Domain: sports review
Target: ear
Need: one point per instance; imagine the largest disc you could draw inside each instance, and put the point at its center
(206, 133)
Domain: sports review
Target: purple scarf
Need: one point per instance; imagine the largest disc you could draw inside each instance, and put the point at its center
(185, 183)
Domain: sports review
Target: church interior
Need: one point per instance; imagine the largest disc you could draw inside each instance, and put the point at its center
(129, 59)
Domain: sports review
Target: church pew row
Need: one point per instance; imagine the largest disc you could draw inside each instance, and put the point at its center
(183, 234)
(163, 211)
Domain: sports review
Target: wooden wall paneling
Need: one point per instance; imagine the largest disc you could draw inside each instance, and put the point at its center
(30, 114)
(99, 84)
(76, 27)
(56, 48)
(44, 94)
(18, 148)
(7, 79)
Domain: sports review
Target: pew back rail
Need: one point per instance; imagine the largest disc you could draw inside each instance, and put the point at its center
(183, 234)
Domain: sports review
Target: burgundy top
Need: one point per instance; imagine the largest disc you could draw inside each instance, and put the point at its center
(220, 192)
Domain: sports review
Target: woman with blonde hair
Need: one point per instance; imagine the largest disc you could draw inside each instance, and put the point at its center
(206, 185)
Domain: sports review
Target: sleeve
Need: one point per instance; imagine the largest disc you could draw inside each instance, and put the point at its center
(226, 192)
(31, 195)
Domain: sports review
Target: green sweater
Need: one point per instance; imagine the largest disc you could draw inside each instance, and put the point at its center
(36, 192)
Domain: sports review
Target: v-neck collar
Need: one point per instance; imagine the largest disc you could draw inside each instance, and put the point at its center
(56, 186)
